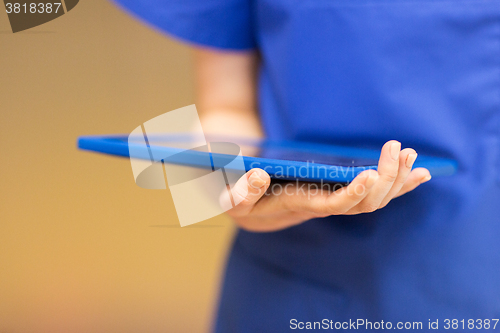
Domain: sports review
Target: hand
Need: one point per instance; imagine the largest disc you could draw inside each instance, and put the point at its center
(260, 210)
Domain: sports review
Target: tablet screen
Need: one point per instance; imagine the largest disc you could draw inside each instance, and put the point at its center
(289, 151)
(275, 156)
(299, 155)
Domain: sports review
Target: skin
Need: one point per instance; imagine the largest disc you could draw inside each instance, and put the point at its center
(226, 90)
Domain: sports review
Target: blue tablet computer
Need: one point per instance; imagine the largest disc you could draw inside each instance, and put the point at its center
(282, 160)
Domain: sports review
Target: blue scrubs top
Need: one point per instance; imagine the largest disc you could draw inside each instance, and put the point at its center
(424, 72)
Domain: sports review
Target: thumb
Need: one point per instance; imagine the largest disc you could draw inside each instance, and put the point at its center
(248, 190)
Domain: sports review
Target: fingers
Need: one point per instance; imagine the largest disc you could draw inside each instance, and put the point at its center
(406, 159)
(388, 168)
(315, 199)
(344, 199)
(248, 190)
(415, 178)
(369, 191)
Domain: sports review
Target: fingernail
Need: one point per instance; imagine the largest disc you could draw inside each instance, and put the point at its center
(426, 179)
(395, 149)
(410, 159)
(371, 181)
(255, 181)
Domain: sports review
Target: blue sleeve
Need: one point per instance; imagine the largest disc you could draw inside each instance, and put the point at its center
(224, 24)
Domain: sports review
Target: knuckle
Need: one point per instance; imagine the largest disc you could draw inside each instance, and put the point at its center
(369, 207)
(240, 196)
(329, 209)
(321, 213)
(383, 204)
(336, 211)
(318, 207)
(389, 177)
(400, 181)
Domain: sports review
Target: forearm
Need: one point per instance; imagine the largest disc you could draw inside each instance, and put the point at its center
(226, 92)
(231, 123)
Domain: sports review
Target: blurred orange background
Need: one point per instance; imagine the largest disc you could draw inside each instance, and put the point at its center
(82, 248)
